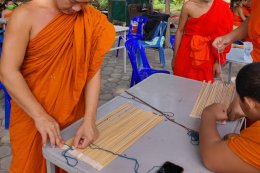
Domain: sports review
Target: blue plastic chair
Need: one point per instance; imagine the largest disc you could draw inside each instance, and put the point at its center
(7, 103)
(157, 41)
(140, 21)
(172, 40)
(7, 97)
(135, 50)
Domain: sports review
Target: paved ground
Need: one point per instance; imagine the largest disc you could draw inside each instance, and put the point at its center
(114, 82)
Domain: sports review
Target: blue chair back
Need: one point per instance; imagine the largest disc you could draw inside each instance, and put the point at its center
(160, 30)
(135, 50)
(172, 40)
(139, 21)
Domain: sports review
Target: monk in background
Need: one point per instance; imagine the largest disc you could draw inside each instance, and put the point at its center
(239, 153)
(201, 21)
(238, 14)
(9, 7)
(251, 28)
(246, 7)
(53, 76)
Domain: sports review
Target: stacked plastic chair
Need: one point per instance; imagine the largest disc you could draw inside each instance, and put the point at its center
(157, 41)
(135, 51)
(134, 32)
(7, 97)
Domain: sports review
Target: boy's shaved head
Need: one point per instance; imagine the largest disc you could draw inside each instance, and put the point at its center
(248, 82)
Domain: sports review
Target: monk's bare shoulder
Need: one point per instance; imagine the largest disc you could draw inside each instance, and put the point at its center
(188, 7)
(21, 15)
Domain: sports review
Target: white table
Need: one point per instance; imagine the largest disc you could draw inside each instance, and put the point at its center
(119, 31)
(165, 142)
(236, 55)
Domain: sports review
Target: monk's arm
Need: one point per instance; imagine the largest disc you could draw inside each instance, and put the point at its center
(239, 33)
(215, 153)
(15, 44)
(179, 32)
(88, 132)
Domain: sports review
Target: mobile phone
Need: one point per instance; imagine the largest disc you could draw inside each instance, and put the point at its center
(169, 167)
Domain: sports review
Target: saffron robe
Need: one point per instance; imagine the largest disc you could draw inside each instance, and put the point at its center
(196, 55)
(254, 29)
(237, 20)
(247, 145)
(246, 10)
(58, 64)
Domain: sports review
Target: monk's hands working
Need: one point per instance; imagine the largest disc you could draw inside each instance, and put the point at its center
(49, 128)
(86, 134)
(220, 43)
(217, 111)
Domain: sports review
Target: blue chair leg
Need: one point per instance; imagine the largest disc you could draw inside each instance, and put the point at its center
(139, 60)
(119, 39)
(7, 110)
(162, 57)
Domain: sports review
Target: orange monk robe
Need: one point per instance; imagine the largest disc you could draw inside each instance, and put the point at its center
(254, 29)
(196, 55)
(247, 145)
(237, 20)
(58, 64)
(246, 10)
(8, 15)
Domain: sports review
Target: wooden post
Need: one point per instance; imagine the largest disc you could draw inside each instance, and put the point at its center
(168, 29)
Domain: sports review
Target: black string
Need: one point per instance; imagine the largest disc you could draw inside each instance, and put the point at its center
(71, 161)
(96, 147)
(194, 135)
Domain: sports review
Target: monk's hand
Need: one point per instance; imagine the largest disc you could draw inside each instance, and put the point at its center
(234, 110)
(49, 128)
(216, 110)
(216, 69)
(86, 134)
(220, 43)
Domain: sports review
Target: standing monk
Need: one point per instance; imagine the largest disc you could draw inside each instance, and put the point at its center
(51, 60)
(201, 21)
(251, 28)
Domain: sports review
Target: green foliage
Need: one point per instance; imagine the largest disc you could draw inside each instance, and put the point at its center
(175, 4)
(103, 4)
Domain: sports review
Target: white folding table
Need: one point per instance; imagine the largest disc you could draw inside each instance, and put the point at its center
(165, 142)
(121, 31)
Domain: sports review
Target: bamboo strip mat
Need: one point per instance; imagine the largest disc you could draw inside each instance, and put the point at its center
(119, 129)
(218, 92)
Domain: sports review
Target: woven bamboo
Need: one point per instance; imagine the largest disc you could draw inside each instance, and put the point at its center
(118, 131)
(218, 92)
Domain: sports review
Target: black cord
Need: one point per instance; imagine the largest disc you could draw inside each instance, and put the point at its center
(168, 115)
(71, 161)
(96, 147)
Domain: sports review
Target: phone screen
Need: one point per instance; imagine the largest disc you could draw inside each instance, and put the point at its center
(169, 167)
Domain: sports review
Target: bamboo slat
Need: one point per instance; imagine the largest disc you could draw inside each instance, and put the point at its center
(118, 131)
(218, 92)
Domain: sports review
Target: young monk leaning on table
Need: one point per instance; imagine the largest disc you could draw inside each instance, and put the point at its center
(239, 153)
(53, 76)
